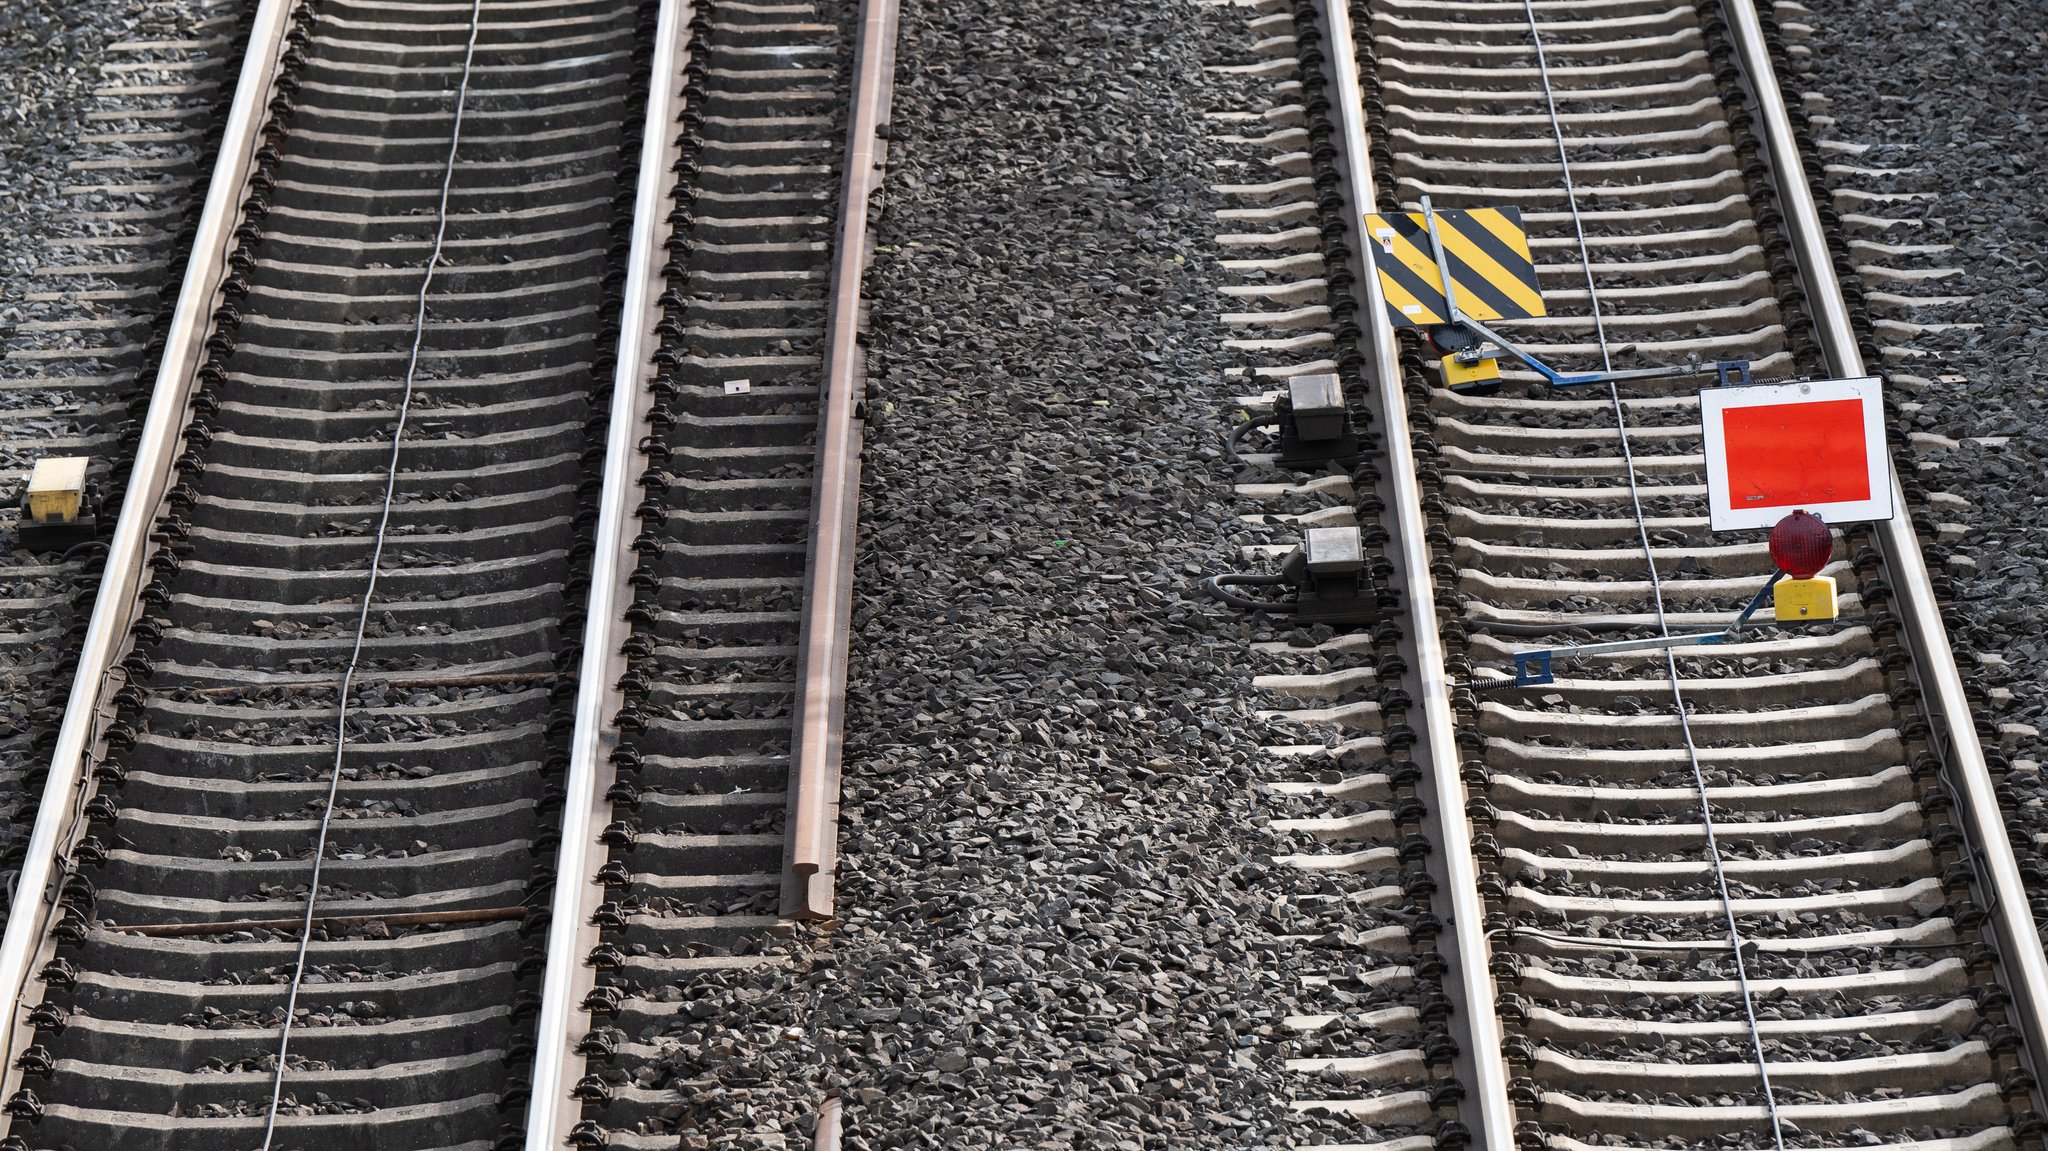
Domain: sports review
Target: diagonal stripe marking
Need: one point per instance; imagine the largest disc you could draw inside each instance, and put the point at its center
(1401, 286)
(1489, 264)
(1517, 295)
(1409, 274)
(1477, 297)
(1512, 254)
(1505, 227)
(1502, 228)
(1417, 260)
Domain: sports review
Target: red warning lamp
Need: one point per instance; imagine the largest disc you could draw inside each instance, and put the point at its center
(1801, 545)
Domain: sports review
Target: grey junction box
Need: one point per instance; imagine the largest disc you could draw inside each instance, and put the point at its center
(1318, 403)
(1333, 551)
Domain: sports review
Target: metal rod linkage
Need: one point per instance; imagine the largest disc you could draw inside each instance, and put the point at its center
(1666, 641)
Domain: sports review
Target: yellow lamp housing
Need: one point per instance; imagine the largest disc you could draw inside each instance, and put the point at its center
(56, 489)
(1800, 600)
(1457, 375)
(57, 506)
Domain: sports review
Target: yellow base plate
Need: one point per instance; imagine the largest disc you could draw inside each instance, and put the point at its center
(1457, 374)
(1804, 599)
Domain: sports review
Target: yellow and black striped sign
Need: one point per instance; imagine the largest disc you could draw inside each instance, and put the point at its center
(1488, 255)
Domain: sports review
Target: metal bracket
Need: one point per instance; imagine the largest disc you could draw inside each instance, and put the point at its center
(1732, 373)
(1532, 669)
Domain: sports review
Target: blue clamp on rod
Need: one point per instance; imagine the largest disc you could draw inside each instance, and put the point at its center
(1723, 370)
(1732, 373)
(1533, 668)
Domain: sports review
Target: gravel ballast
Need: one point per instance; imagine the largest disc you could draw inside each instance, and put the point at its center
(88, 99)
(49, 60)
(49, 57)
(1955, 97)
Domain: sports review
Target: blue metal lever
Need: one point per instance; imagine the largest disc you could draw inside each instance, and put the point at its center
(1533, 668)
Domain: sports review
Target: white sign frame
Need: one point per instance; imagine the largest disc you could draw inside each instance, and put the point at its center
(1724, 514)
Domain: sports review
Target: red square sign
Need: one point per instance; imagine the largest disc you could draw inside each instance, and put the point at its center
(1795, 455)
(1816, 446)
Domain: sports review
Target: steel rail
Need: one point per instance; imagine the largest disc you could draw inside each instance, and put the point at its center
(820, 709)
(1934, 663)
(58, 815)
(825, 1137)
(550, 1114)
(1437, 747)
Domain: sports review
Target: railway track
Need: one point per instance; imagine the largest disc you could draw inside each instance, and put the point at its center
(716, 649)
(336, 431)
(1842, 955)
(318, 859)
(459, 705)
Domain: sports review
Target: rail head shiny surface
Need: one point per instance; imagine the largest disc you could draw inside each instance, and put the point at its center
(835, 495)
(551, 1113)
(1934, 663)
(1487, 1096)
(114, 608)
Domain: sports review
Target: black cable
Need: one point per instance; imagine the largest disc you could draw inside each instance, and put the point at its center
(1231, 441)
(74, 549)
(1213, 585)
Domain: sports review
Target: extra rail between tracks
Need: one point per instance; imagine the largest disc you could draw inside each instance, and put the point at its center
(114, 609)
(828, 575)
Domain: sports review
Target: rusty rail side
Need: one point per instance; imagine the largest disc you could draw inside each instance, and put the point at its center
(826, 1136)
(812, 853)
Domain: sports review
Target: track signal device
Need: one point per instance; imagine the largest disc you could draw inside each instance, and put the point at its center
(1811, 445)
(1800, 546)
(58, 505)
(1456, 272)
